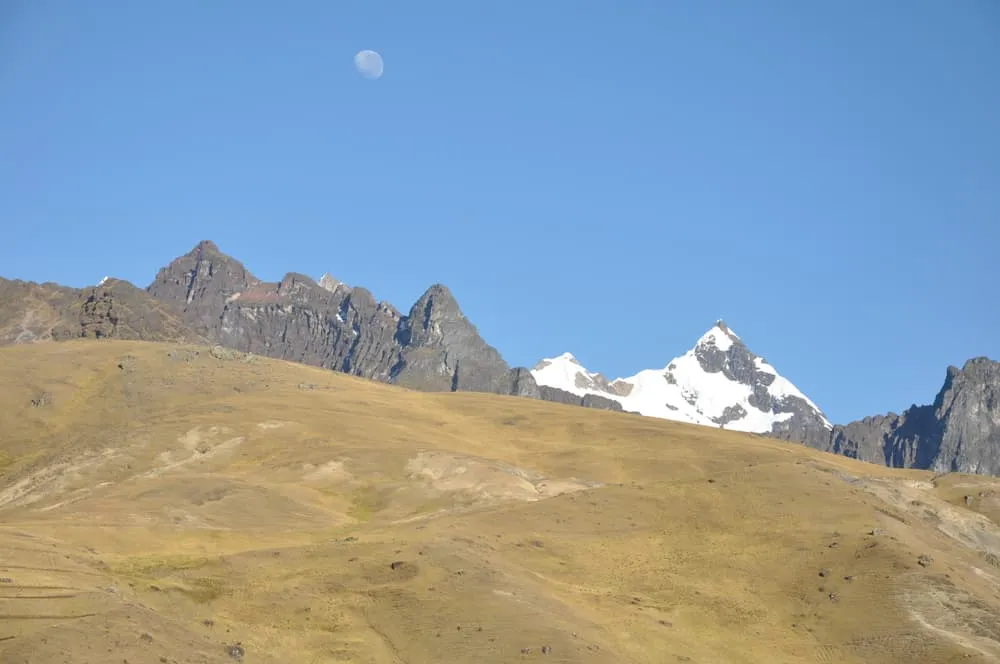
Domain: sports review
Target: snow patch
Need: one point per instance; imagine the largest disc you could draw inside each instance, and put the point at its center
(565, 373)
(327, 282)
(718, 338)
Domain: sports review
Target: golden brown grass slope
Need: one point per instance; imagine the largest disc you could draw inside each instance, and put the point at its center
(163, 503)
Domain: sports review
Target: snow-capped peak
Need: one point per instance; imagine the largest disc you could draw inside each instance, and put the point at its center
(721, 336)
(565, 372)
(719, 382)
(103, 281)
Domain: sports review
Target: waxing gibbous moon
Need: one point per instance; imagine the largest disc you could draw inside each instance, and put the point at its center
(368, 63)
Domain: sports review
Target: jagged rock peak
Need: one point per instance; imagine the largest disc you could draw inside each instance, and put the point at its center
(978, 365)
(437, 303)
(439, 292)
(206, 246)
(201, 282)
(959, 432)
(327, 282)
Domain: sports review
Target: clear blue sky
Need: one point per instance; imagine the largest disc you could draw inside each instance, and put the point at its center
(607, 178)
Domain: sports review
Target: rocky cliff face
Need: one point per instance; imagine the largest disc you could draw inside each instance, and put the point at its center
(959, 432)
(332, 325)
(201, 283)
(298, 320)
(439, 349)
(968, 408)
(31, 312)
(587, 400)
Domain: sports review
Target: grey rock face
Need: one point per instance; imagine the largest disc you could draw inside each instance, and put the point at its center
(731, 414)
(329, 283)
(968, 408)
(522, 384)
(601, 403)
(201, 282)
(803, 426)
(332, 325)
(116, 309)
(298, 320)
(588, 400)
(119, 310)
(900, 441)
(959, 432)
(441, 350)
(555, 395)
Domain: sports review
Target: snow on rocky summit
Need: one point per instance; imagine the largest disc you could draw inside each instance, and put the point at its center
(717, 383)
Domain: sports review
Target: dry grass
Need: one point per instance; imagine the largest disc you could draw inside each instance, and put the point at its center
(165, 503)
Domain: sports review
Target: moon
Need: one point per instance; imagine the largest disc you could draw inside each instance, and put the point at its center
(369, 64)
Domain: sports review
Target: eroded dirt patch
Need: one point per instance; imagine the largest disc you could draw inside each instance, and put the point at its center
(197, 445)
(486, 479)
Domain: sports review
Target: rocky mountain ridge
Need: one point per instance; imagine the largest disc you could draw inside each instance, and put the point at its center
(206, 296)
(958, 432)
(335, 326)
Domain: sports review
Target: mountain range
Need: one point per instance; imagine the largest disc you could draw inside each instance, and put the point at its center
(208, 297)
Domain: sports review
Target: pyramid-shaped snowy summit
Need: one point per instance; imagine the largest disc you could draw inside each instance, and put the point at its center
(719, 383)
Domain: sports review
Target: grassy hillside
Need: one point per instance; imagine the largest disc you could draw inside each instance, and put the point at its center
(164, 503)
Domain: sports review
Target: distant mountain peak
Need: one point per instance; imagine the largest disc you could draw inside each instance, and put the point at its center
(201, 282)
(437, 304)
(439, 291)
(720, 335)
(207, 246)
(719, 382)
(567, 357)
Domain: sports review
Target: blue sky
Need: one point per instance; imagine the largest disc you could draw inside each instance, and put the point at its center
(607, 178)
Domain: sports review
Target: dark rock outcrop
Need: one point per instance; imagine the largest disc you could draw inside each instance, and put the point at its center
(959, 432)
(587, 401)
(968, 410)
(117, 309)
(31, 312)
(601, 403)
(522, 383)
